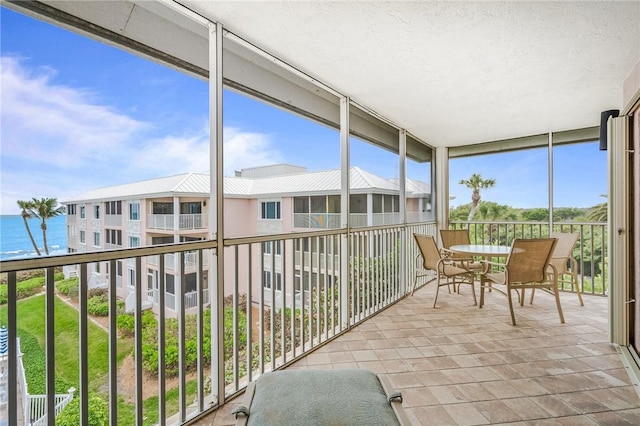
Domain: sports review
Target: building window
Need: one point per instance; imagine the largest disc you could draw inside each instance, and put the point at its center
(114, 236)
(162, 208)
(113, 207)
(134, 241)
(161, 240)
(83, 213)
(191, 208)
(270, 210)
(170, 284)
(96, 211)
(132, 277)
(134, 211)
(71, 231)
(96, 239)
(267, 280)
(71, 209)
(119, 268)
(82, 237)
(266, 247)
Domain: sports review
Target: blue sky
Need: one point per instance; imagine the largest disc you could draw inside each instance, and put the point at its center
(77, 115)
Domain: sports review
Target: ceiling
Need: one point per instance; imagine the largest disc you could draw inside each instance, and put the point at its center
(454, 73)
(450, 73)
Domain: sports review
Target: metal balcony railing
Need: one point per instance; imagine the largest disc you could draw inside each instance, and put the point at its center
(186, 222)
(329, 281)
(589, 251)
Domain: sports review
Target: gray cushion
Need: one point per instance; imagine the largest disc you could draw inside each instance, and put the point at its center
(320, 397)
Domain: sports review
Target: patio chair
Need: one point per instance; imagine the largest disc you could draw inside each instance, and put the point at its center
(453, 237)
(526, 267)
(445, 269)
(564, 262)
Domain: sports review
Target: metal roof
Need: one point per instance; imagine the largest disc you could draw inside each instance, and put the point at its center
(196, 184)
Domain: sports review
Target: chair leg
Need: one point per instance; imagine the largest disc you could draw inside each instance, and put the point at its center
(473, 289)
(533, 292)
(415, 283)
(513, 315)
(481, 292)
(438, 290)
(576, 287)
(557, 294)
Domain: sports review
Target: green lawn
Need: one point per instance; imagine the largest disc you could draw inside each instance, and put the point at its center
(31, 324)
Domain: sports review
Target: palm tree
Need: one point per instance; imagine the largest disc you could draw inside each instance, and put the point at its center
(475, 183)
(599, 212)
(25, 206)
(45, 208)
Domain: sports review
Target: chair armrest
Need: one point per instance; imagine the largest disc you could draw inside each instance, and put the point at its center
(446, 252)
(487, 264)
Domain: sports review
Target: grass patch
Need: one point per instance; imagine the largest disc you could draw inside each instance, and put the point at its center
(126, 410)
(31, 321)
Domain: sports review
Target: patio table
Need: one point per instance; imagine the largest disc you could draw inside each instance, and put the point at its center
(483, 250)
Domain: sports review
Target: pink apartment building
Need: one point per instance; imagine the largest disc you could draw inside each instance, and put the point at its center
(271, 200)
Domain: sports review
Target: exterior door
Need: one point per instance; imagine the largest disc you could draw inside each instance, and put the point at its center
(634, 219)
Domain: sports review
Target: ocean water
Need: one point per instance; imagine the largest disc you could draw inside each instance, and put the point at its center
(15, 242)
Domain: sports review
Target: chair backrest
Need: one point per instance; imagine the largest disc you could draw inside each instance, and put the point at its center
(428, 250)
(452, 237)
(529, 259)
(564, 249)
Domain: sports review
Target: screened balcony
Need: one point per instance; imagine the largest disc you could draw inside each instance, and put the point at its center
(345, 303)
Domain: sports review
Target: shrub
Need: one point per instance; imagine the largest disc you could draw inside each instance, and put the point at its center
(34, 365)
(98, 412)
(150, 341)
(68, 287)
(92, 292)
(23, 289)
(98, 305)
(126, 325)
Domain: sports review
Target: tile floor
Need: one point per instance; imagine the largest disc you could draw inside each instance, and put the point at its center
(460, 365)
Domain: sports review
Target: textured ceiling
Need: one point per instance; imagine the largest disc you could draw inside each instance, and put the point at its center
(454, 73)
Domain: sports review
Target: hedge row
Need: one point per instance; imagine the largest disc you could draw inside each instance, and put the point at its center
(25, 288)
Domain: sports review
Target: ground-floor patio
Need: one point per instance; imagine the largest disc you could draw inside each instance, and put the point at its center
(460, 365)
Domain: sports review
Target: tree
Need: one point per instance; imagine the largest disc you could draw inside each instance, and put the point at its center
(26, 206)
(476, 183)
(598, 213)
(44, 209)
(539, 214)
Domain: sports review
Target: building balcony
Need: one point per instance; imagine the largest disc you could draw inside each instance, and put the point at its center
(186, 222)
(455, 363)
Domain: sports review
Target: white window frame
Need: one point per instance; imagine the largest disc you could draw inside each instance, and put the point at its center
(264, 209)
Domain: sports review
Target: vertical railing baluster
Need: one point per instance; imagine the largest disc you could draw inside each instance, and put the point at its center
(50, 341)
(260, 280)
(83, 339)
(310, 307)
(293, 302)
(162, 406)
(249, 313)
(182, 365)
(325, 305)
(318, 293)
(283, 291)
(272, 314)
(303, 291)
(12, 335)
(200, 333)
(138, 341)
(234, 312)
(113, 345)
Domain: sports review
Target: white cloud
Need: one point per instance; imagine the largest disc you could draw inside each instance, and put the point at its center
(55, 124)
(243, 149)
(59, 141)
